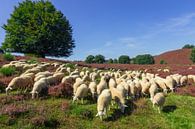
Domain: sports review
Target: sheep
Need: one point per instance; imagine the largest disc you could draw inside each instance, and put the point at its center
(159, 100)
(102, 85)
(117, 95)
(93, 88)
(191, 77)
(145, 87)
(160, 82)
(39, 77)
(33, 70)
(153, 90)
(183, 80)
(46, 73)
(103, 102)
(20, 82)
(58, 76)
(81, 92)
(51, 80)
(132, 89)
(170, 83)
(38, 87)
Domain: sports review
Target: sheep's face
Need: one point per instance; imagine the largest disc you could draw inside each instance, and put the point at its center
(122, 107)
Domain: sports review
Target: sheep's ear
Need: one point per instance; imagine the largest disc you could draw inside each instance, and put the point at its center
(125, 105)
(97, 115)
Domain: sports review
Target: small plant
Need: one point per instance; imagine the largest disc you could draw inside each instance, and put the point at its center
(163, 62)
(72, 66)
(33, 60)
(7, 71)
(8, 57)
(38, 120)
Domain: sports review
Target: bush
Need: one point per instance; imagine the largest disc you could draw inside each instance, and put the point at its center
(192, 56)
(72, 66)
(144, 59)
(7, 71)
(33, 60)
(163, 62)
(124, 59)
(8, 57)
(110, 61)
(89, 59)
(188, 46)
(115, 61)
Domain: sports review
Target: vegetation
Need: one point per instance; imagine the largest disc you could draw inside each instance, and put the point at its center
(89, 59)
(163, 62)
(115, 61)
(33, 60)
(144, 59)
(100, 59)
(62, 113)
(124, 59)
(192, 56)
(8, 57)
(7, 71)
(38, 27)
(188, 46)
(110, 61)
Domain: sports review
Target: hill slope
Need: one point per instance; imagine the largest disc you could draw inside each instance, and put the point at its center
(180, 56)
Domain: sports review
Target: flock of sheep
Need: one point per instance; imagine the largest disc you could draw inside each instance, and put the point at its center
(114, 84)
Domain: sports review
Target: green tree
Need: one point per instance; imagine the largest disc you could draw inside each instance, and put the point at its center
(100, 59)
(124, 59)
(110, 61)
(188, 46)
(115, 61)
(37, 27)
(144, 59)
(163, 62)
(89, 59)
(192, 57)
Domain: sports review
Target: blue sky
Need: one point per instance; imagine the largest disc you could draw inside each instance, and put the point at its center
(117, 27)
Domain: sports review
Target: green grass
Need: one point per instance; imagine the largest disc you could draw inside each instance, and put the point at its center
(178, 113)
(8, 57)
(7, 71)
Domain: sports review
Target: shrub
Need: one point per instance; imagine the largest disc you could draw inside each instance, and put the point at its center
(163, 62)
(33, 60)
(188, 46)
(192, 56)
(124, 59)
(144, 59)
(89, 59)
(110, 61)
(115, 61)
(7, 71)
(38, 121)
(72, 66)
(8, 57)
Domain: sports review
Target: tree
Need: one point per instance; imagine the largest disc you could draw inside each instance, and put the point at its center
(37, 27)
(110, 61)
(163, 62)
(188, 46)
(124, 59)
(115, 61)
(90, 59)
(144, 59)
(193, 55)
(100, 59)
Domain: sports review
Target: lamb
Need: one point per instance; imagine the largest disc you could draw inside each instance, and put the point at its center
(103, 103)
(39, 87)
(23, 82)
(81, 92)
(102, 85)
(159, 100)
(93, 88)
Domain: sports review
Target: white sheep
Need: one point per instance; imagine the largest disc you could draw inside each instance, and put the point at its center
(183, 80)
(93, 88)
(38, 87)
(102, 85)
(103, 102)
(81, 92)
(58, 76)
(159, 100)
(22, 82)
(153, 90)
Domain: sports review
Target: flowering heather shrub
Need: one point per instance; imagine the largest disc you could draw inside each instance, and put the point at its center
(38, 120)
(14, 110)
(62, 90)
(9, 99)
(65, 106)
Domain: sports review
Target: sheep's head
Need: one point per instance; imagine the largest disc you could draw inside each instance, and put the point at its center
(122, 107)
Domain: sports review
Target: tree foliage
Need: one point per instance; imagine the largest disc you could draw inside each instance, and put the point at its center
(188, 46)
(110, 61)
(37, 27)
(144, 59)
(89, 59)
(124, 59)
(192, 56)
(100, 59)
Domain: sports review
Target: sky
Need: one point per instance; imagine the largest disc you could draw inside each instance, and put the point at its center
(122, 27)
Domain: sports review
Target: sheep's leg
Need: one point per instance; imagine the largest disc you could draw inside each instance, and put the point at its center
(82, 101)
(105, 112)
(159, 109)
